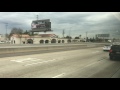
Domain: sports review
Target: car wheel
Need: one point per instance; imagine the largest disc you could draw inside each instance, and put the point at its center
(111, 58)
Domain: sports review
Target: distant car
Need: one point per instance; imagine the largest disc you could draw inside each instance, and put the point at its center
(116, 43)
(2, 42)
(107, 47)
(114, 52)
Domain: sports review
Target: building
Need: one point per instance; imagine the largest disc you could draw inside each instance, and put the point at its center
(36, 39)
(2, 37)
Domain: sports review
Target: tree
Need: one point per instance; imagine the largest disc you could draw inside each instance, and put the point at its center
(68, 37)
(77, 38)
(87, 39)
(90, 39)
(26, 32)
(17, 31)
(80, 36)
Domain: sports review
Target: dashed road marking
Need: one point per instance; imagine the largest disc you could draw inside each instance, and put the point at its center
(25, 59)
(39, 62)
(33, 61)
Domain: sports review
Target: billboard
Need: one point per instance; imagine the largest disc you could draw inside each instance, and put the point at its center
(103, 35)
(41, 25)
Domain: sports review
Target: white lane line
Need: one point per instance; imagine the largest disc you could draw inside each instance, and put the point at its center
(91, 64)
(40, 62)
(21, 60)
(32, 60)
(26, 60)
(58, 75)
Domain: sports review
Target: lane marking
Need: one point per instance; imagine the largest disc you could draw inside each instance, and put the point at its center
(40, 62)
(26, 60)
(30, 59)
(21, 60)
(58, 75)
(91, 64)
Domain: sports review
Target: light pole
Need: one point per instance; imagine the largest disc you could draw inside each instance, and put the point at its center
(6, 30)
(86, 36)
(70, 32)
(63, 33)
(37, 17)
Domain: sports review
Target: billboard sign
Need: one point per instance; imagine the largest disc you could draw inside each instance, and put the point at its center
(103, 35)
(41, 25)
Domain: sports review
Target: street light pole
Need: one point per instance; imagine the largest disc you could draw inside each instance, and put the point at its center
(6, 30)
(37, 17)
(63, 33)
(70, 33)
(86, 36)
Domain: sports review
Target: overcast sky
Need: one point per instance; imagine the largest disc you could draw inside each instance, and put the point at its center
(74, 23)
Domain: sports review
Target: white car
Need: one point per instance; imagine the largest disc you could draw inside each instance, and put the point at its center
(107, 47)
(2, 42)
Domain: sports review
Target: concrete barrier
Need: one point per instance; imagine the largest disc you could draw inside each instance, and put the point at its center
(30, 49)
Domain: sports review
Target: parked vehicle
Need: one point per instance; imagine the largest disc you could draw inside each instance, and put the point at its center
(1, 42)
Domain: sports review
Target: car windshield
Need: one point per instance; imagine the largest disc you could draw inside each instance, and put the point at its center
(115, 46)
(59, 44)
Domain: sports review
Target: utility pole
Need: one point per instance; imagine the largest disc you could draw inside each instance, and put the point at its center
(70, 32)
(86, 36)
(6, 24)
(63, 33)
(37, 17)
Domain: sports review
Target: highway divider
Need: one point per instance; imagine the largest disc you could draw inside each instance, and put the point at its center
(33, 49)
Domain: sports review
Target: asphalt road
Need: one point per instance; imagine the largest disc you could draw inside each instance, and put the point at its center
(82, 63)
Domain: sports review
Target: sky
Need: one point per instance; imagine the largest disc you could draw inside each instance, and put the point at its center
(73, 23)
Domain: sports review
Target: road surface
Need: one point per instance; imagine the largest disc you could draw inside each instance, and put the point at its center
(82, 63)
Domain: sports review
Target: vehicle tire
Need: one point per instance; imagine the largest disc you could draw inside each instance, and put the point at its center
(111, 58)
